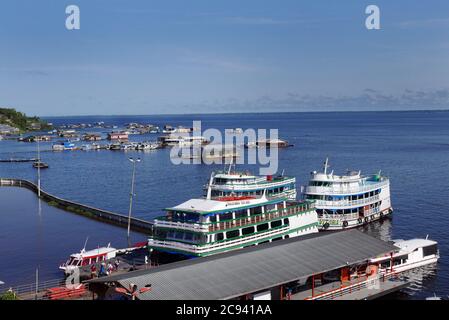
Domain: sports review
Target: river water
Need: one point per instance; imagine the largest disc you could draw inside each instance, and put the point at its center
(412, 148)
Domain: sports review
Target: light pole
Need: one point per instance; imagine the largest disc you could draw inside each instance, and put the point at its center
(131, 195)
(38, 169)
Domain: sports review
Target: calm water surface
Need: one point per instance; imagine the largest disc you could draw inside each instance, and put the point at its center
(412, 148)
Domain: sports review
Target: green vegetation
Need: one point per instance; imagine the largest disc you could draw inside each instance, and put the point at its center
(8, 295)
(21, 121)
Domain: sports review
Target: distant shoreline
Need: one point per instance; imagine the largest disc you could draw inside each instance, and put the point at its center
(244, 112)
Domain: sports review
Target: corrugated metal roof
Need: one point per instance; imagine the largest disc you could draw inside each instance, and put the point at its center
(236, 273)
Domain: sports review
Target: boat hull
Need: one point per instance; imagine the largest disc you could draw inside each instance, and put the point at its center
(335, 224)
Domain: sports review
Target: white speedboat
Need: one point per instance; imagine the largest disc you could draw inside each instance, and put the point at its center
(412, 254)
(89, 257)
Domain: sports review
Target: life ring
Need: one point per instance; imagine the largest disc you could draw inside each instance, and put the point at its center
(326, 226)
(371, 270)
(366, 219)
(360, 220)
(345, 224)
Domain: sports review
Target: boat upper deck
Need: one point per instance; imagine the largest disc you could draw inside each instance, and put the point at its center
(332, 184)
(208, 206)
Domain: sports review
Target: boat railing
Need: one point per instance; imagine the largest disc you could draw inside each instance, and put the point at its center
(337, 191)
(347, 203)
(207, 247)
(255, 219)
(161, 222)
(348, 216)
(262, 184)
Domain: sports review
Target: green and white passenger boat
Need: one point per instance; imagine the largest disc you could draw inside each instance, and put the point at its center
(215, 224)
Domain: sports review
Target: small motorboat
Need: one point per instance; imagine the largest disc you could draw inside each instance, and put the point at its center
(86, 258)
(40, 165)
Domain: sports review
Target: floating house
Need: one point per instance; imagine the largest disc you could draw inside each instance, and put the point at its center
(118, 136)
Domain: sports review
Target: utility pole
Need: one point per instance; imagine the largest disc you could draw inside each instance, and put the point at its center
(37, 283)
(131, 196)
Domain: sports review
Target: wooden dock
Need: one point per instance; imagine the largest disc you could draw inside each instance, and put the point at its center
(118, 219)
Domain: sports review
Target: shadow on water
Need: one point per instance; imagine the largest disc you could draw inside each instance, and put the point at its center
(35, 235)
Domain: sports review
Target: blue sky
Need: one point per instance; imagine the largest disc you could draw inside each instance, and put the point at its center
(197, 56)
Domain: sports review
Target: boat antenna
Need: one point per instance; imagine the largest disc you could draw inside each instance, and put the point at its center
(38, 168)
(230, 165)
(85, 244)
(209, 187)
(326, 165)
(282, 174)
(427, 237)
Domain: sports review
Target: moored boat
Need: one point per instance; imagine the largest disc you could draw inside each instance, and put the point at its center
(40, 165)
(63, 145)
(243, 183)
(88, 257)
(349, 200)
(202, 227)
(268, 143)
(413, 253)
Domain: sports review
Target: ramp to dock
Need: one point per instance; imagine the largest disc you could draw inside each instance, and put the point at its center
(118, 219)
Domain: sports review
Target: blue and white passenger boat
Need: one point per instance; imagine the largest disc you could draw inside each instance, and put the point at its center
(349, 200)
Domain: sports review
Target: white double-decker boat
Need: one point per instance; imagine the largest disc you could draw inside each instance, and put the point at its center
(349, 200)
(243, 183)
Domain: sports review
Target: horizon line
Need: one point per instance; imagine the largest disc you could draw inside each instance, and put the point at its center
(244, 112)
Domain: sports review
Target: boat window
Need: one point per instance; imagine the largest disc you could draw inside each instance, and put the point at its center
(286, 222)
(276, 223)
(248, 230)
(226, 216)
(262, 227)
(220, 236)
(430, 250)
(188, 236)
(241, 213)
(256, 210)
(232, 234)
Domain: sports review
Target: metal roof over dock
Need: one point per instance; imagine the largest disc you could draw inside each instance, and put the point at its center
(244, 271)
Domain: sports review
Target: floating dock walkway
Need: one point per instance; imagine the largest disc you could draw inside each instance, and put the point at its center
(121, 220)
(14, 160)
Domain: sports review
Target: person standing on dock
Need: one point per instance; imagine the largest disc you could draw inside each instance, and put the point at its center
(102, 271)
(110, 269)
(93, 271)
